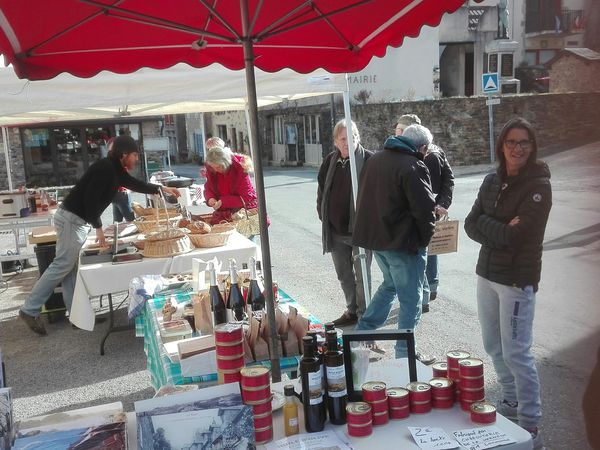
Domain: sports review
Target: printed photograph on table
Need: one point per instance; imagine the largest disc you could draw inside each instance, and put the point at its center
(212, 418)
(98, 427)
(370, 353)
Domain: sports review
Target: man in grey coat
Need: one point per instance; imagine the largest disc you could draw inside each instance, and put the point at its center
(335, 207)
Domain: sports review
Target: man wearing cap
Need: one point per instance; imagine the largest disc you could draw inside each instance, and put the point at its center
(395, 218)
(84, 205)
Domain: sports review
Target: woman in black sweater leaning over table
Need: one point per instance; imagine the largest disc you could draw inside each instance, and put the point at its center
(85, 203)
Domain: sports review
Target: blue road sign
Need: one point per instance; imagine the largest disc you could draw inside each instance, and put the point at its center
(490, 83)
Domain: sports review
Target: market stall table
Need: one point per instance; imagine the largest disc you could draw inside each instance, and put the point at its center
(396, 431)
(163, 371)
(94, 280)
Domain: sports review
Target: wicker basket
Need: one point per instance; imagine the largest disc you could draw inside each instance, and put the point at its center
(149, 225)
(163, 244)
(162, 212)
(225, 227)
(210, 239)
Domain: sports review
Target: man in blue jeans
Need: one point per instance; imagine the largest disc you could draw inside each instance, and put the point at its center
(83, 206)
(395, 218)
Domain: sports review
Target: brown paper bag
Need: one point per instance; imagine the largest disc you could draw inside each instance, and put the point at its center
(445, 238)
(202, 313)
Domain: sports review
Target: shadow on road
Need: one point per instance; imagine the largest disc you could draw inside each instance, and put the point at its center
(579, 238)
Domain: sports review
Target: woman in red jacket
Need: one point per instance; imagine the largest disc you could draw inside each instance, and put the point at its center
(228, 187)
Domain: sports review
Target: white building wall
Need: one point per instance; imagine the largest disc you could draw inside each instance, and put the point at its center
(404, 73)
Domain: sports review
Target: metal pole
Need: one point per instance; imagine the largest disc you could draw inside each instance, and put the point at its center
(260, 192)
(491, 126)
(7, 157)
(362, 256)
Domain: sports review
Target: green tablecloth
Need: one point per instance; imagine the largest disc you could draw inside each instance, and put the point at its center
(165, 372)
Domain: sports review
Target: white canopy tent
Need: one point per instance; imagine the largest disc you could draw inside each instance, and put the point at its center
(148, 92)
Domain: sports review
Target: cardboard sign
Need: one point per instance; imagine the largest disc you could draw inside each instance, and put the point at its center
(445, 238)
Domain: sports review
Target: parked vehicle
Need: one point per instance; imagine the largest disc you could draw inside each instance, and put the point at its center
(533, 78)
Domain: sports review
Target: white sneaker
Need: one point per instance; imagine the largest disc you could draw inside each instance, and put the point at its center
(507, 409)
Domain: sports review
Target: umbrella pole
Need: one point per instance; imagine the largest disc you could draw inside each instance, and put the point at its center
(260, 191)
(362, 256)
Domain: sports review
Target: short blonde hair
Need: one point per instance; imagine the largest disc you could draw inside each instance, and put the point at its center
(337, 129)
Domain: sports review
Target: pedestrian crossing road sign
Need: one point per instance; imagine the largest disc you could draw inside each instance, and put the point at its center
(489, 82)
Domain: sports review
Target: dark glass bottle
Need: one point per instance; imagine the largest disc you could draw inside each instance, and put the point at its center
(328, 327)
(216, 299)
(337, 395)
(256, 298)
(235, 299)
(312, 395)
(319, 354)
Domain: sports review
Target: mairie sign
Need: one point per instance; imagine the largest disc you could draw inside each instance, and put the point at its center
(490, 83)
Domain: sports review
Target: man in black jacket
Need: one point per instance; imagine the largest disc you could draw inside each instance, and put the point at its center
(442, 185)
(395, 218)
(84, 205)
(335, 206)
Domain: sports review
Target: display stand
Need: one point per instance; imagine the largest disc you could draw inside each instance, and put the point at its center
(156, 145)
(19, 227)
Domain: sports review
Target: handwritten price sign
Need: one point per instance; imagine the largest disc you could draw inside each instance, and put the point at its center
(432, 438)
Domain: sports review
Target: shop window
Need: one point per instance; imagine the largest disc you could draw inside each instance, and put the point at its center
(311, 129)
(278, 135)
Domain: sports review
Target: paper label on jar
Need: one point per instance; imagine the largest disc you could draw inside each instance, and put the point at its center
(315, 384)
(293, 422)
(336, 381)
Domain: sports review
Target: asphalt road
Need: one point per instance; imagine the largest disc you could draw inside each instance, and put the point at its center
(64, 370)
(566, 329)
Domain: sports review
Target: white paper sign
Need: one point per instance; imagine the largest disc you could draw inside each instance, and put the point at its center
(482, 438)
(430, 438)
(310, 441)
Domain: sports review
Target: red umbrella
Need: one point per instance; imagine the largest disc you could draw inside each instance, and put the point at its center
(42, 38)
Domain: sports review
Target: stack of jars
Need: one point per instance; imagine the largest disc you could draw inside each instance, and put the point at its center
(359, 418)
(375, 394)
(442, 392)
(229, 346)
(398, 401)
(472, 388)
(419, 396)
(452, 358)
(256, 391)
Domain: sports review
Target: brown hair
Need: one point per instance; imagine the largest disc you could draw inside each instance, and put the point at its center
(517, 122)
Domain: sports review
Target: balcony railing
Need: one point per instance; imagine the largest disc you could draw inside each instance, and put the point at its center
(545, 19)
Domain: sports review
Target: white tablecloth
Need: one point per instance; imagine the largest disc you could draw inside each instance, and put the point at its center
(395, 434)
(94, 280)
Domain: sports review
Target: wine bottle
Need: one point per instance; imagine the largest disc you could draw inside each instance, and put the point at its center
(337, 395)
(312, 395)
(328, 327)
(319, 355)
(235, 299)
(256, 298)
(216, 299)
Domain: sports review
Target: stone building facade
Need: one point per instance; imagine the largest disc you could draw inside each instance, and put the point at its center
(459, 124)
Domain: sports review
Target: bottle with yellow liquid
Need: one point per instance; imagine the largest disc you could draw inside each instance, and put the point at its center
(290, 411)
